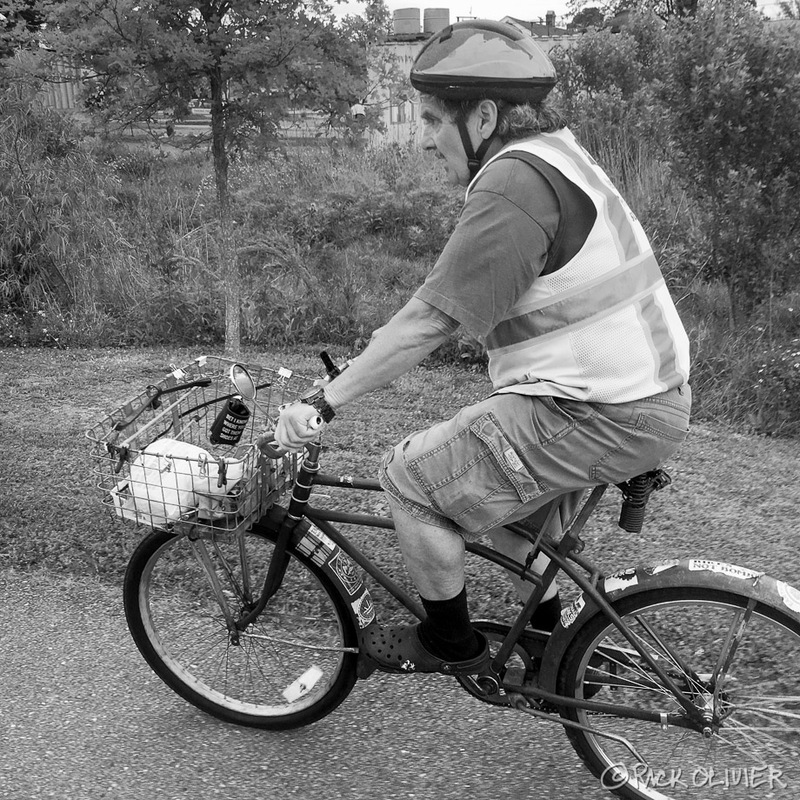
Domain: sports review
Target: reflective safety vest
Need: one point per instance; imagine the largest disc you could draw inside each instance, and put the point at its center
(602, 327)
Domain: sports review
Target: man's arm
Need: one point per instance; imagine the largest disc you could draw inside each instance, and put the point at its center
(410, 335)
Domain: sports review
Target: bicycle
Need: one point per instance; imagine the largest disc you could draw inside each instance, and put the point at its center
(668, 678)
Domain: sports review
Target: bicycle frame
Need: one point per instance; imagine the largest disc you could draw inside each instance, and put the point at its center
(263, 615)
(561, 554)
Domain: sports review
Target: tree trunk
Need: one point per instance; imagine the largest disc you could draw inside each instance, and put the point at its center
(226, 243)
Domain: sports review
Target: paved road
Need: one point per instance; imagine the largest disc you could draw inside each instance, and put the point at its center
(83, 718)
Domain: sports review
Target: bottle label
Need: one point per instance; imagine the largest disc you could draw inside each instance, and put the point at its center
(230, 423)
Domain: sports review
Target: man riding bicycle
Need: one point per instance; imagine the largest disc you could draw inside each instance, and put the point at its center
(588, 358)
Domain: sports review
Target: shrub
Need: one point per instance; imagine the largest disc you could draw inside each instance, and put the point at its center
(42, 328)
(119, 246)
(774, 384)
(732, 87)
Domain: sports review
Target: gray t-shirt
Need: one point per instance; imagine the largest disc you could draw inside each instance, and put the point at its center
(522, 218)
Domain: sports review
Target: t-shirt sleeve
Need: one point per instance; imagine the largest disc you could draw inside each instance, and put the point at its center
(498, 248)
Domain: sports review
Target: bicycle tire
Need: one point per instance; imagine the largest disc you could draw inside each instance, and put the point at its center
(756, 746)
(294, 665)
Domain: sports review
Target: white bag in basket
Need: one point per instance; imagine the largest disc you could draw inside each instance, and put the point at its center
(170, 478)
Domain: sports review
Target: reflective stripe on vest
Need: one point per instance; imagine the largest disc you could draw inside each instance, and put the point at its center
(603, 327)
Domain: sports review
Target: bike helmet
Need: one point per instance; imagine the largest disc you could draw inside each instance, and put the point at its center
(479, 59)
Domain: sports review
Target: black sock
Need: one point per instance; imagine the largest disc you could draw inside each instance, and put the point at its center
(447, 631)
(547, 614)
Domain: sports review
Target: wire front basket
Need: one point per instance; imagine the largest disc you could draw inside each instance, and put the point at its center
(181, 455)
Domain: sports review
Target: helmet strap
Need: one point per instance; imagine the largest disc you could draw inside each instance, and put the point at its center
(474, 160)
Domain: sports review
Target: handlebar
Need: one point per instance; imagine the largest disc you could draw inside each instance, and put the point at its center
(266, 440)
(334, 370)
(154, 394)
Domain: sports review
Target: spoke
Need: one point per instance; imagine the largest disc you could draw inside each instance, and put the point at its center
(666, 651)
(636, 668)
(766, 711)
(194, 646)
(769, 697)
(650, 683)
(266, 680)
(753, 744)
(739, 724)
(303, 645)
(616, 681)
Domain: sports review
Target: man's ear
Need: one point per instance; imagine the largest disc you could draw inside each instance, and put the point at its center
(487, 118)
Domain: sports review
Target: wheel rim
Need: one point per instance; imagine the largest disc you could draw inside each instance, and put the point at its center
(754, 713)
(284, 663)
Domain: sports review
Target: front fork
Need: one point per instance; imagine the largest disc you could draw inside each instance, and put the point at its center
(238, 621)
(301, 491)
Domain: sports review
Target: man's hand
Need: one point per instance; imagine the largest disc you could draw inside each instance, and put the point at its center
(299, 424)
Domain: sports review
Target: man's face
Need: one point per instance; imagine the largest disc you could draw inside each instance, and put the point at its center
(440, 134)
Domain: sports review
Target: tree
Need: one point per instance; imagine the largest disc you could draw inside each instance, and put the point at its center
(665, 9)
(19, 21)
(732, 85)
(252, 59)
(789, 9)
(716, 98)
(591, 17)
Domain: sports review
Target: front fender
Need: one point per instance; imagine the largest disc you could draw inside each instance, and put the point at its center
(695, 572)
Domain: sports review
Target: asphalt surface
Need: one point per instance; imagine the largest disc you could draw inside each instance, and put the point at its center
(83, 718)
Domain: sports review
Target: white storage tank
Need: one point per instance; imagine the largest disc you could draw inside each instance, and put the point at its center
(406, 21)
(435, 19)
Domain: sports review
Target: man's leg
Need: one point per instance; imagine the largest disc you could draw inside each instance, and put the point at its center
(517, 547)
(548, 611)
(434, 558)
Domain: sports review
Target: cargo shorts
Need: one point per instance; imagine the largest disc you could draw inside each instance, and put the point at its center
(500, 460)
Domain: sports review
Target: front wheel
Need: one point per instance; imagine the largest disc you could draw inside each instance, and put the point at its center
(290, 667)
(736, 659)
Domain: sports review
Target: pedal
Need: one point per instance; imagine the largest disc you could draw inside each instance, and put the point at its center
(486, 686)
(516, 676)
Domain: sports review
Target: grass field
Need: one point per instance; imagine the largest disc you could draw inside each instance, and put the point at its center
(734, 497)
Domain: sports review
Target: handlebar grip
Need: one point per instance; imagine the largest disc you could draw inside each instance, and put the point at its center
(266, 442)
(331, 368)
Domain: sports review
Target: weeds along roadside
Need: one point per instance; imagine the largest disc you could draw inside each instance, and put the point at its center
(113, 244)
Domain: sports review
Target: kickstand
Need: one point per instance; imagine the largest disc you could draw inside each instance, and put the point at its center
(521, 704)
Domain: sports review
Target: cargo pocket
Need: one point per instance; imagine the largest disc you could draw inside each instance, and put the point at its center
(476, 478)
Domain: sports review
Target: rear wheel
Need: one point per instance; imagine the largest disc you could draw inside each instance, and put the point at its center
(753, 710)
(290, 667)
